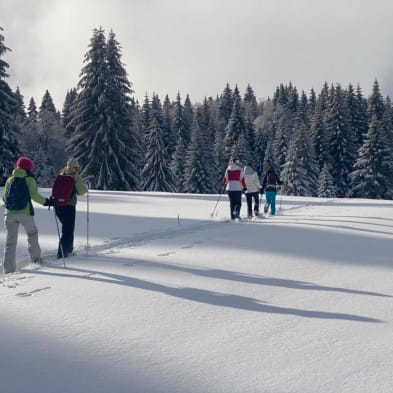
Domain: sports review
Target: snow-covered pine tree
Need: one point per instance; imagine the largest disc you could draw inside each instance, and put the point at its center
(51, 133)
(300, 171)
(226, 104)
(199, 177)
(370, 178)
(157, 174)
(20, 112)
(235, 127)
(105, 140)
(9, 148)
(167, 128)
(188, 115)
(326, 188)
(251, 103)
(341, 140)
(361, 118)
(69, 102)
(376, 105)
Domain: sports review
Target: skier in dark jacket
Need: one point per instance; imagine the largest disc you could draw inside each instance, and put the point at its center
(66, 214)
(271, 183)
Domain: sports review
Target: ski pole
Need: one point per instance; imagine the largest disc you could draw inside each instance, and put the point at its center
(218, 200)
(87, 218)
(60, 244)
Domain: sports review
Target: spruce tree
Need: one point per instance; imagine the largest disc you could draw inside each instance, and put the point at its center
(326, 188)
(250, 103)
(156, 174)
(369, 178)
(168, 134)
(300, 171)
(106, 141)
(235, 128)
(199, 177)
(9, 148)
(69, 102)
(226, 104)
(341, 140)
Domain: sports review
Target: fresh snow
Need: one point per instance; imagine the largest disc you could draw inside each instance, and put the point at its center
(170, 300)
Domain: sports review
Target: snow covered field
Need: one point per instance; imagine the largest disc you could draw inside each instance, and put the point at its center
(170, 300)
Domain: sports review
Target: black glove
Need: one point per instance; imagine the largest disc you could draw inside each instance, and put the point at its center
(50, 202)
(244, 189)
(261, 191)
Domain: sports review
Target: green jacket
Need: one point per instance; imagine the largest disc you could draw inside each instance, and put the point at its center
(79, 186)
(33, 192)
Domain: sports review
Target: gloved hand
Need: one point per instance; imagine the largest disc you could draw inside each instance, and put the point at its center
(261, 191)
(244, 189)
(50, 202)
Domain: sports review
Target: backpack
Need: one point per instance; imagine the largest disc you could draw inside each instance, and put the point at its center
(18, 195)
(62, 189)
(271, 179)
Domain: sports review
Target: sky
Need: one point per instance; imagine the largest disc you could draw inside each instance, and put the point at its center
(196, 47)
(298, 302)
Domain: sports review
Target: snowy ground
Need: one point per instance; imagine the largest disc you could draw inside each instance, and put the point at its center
(169, 300)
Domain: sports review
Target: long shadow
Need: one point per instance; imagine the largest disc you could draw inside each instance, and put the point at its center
(249, 279)
(335, 226)
(317, 218)
(204, 296)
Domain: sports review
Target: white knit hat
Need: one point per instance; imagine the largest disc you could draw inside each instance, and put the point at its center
(72, 163)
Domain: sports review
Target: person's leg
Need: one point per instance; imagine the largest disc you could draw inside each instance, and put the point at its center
(249, 203)
(231, 204)
(33, 245)
(273, 203)
(11, 226)
(256, 202)
(237, 203)
(68, 227)
(269, 200)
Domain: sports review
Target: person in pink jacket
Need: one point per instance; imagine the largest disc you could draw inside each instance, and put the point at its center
(234, 179)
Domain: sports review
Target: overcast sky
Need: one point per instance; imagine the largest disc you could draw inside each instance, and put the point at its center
(197, 46)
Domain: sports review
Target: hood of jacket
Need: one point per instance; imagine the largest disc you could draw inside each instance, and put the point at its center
(248, 170)
(19, 172)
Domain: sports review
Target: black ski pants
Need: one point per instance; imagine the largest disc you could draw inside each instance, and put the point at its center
(235, 203)
(249, 197)
(66, 215)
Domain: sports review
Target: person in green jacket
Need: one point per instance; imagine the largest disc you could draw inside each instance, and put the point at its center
(24, 216)
(67, 213)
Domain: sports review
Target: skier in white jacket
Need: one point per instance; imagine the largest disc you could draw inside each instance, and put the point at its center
(253, 189)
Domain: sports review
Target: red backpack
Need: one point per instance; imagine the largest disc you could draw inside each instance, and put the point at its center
(62, 189)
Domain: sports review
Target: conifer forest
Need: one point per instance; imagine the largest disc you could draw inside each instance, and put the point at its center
(330, 143)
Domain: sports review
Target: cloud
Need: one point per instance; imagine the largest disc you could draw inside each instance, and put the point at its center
(197, 47)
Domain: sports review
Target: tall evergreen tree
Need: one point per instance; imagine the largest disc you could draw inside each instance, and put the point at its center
(168, 134)
(251, 103)
(226, 104)
(156, 174)
(9, 148)
(369, 178)
(326, 188)
(69, 102)
(199, 177)
(300, 171)
(105, 141)
(341, 141)
(235, 128)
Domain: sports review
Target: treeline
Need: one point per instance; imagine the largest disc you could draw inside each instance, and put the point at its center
(332, 143)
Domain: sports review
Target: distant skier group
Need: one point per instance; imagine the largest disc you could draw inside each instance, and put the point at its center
(19, 190)
(245, 180)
